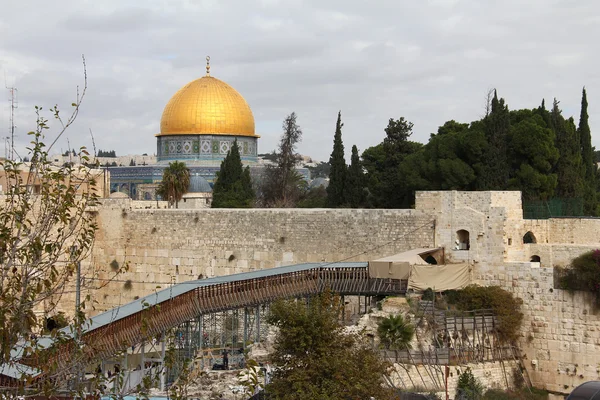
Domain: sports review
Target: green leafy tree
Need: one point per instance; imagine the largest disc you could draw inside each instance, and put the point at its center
(533, 156)
(569, 168)
(495, 171)
(233, 185)
(590, 205)
(393, 191)
(355, 190)
(452, 158)
(314, 198)
(175, 183)
(468, 387)
(315, 359)
(395, 332)
(338, 171)
(46, 230)
(282, 185)
(110, 153)
(321, 170)
(373, 161)
(583, 274)
(505, 306)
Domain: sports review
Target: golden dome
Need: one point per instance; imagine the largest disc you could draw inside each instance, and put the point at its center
(207, 106)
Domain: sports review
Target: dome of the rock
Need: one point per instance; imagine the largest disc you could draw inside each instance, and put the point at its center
(200, 123)
(207, 106)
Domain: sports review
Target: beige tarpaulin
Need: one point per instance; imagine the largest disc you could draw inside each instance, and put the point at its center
(439, 277)
(397, 266)
(389, 269)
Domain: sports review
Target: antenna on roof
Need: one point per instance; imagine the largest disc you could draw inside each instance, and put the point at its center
(14, 104)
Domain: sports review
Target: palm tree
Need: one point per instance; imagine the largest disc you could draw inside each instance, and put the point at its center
(175, 183)
(395, 333)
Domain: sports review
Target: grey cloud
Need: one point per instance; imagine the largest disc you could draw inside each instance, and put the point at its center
(428, 61)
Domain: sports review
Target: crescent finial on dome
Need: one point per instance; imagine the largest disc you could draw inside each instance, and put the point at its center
(207, 65)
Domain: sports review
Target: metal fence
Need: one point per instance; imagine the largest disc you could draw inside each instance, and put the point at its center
(553, 208)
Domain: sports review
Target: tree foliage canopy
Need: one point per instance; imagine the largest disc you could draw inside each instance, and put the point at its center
(537, 151)
(175, 183)
(583, 274)
(395, 332)
(355, 189)
(315, 359)
(47, 228)
(233, 185)
(107, 153)
(505, 306)
(336, 190)
(282, 185)
(468, 387)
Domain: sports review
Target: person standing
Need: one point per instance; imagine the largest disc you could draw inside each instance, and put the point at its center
(225, 360)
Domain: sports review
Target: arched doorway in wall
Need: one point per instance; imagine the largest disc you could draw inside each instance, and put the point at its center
(462, 240)
(535, 258)
(529, 238)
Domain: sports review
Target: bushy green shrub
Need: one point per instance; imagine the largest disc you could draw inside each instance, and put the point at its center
(503, 304)
(468, 387)
(395, 333)
(428, 295)
(583, 274)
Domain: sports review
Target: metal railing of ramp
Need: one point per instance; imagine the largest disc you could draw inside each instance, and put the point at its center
(131, 324)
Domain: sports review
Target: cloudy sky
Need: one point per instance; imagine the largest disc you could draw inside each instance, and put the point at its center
(428, 61)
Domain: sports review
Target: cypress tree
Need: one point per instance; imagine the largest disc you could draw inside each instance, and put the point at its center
(590, 204)
(338, 172)
(569, 167)
(233, 187)
(495, 171)
(355, 183)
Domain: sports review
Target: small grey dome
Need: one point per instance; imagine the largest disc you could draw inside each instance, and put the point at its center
(199, 185)
(118, 195)
(315, 183)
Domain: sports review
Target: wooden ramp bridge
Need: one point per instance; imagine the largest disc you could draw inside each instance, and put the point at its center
(142, 320)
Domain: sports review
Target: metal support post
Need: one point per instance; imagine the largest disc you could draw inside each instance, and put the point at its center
(163, 373)
(257, 324)
(143, 365)
(187, 341)
(245, 327)
(234, 328)
(201, 341)
(223, 327)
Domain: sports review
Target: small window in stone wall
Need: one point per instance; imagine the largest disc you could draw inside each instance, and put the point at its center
(535, 258)
(529, 238)
(510, 241)
(462, 240)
